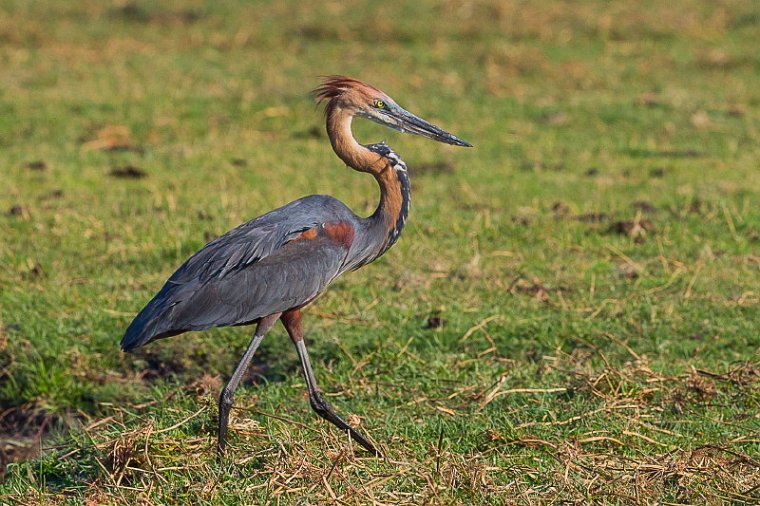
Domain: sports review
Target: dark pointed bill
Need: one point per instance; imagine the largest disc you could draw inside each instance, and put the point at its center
(404, 121)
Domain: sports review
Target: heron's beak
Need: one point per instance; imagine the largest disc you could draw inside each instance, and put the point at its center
(404, 121)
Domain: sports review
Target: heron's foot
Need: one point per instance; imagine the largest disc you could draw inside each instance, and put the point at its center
(323, 409)
(359, 438)
(365, 444)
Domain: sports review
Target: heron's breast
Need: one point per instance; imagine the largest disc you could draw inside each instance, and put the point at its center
(340, 232)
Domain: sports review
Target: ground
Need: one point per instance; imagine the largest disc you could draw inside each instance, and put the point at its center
(570, 315)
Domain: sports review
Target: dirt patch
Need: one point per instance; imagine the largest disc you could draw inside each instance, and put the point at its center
(592, 217)
(538, 166)
(522, 221)
(134, 12)
(644, 206)
(637, 229)
(51, 195)
(434, 322)
(534, 288)
(323, 33)
(21, 431)
(670, 153)
(591, 172)
(152, 366)
(37, 165)
(651, 99)
(156, 364)
(313, 132)
(19, 211)
(560, 209)
(128, 172)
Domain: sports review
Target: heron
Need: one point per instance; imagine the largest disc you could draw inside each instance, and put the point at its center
(272, 266)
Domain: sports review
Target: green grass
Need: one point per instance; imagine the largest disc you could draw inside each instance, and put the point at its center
(594, 259)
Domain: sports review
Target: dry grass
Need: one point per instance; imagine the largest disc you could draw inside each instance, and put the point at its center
(625, 449)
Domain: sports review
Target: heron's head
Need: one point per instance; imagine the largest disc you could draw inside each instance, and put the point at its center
(360, 99)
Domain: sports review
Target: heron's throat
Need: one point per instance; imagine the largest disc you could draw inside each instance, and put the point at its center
(344, 144)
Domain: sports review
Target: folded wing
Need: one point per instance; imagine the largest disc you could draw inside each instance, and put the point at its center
(279, 261)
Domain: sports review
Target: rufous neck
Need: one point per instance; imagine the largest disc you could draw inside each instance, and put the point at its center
(345, 145)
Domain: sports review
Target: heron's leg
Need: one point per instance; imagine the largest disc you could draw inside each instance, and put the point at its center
(225, 399)
(292, 322)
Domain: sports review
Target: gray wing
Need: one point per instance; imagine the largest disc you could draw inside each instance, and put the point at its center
(275, 262)
(259, 238)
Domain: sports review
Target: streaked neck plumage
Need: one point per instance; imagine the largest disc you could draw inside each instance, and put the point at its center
(384, 226)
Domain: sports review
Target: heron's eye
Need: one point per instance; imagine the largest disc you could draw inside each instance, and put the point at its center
(379, 104)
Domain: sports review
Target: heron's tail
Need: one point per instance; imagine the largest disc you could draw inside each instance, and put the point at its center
(150, 324)
(135, 336)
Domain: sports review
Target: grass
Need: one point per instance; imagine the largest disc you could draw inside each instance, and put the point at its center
(570, 315)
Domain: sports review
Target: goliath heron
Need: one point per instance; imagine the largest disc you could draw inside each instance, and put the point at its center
(272, 266)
